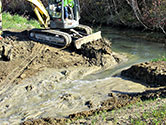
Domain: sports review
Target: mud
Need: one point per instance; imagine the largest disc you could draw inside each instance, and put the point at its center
(94, 54)
(20, 50)
(115, 101)
(97, 52)
(51, 85)
(152, 73)
(48, 63)
(58, 93)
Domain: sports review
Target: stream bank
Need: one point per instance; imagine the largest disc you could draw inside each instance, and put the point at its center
(51, 94)
(19, 47)
(114, 102)
(152, 73)
(114, 94)
(41, 75)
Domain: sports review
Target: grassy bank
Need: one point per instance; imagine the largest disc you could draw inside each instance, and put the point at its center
(163, 58)
(156, 116)
(18, 22)
(141, 113)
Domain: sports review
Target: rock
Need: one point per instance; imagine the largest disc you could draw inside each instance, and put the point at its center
(109, 122)
(72, 54)
(67, 97)
(23, 76)
(7, 52)
(29, 88)
(89, 104)
(111, 94)
(65, 72)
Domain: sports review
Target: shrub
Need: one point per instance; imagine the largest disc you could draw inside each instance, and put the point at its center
(134, 13)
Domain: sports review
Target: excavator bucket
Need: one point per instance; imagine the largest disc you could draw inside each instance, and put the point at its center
(86, 39)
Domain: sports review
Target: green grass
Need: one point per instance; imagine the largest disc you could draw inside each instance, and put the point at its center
(18, 22)
(152, 116)
(155, 117)
(163, 58)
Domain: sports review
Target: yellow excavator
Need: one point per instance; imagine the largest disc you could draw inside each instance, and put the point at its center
(57, 30)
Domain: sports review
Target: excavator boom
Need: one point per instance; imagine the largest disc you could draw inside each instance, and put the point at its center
(40, 12)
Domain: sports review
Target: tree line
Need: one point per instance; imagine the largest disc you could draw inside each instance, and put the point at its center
(150, 14)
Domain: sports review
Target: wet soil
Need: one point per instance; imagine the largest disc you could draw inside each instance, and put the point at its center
(115, 101)
(97, 53)
(16, 49)
(151, 73)
(90, 56)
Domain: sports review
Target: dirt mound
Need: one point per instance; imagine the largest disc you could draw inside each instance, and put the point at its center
(152, 73)
(15, 49)
(115, 101)
(96, 53)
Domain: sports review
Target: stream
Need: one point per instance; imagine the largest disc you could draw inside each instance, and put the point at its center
(51, 94)
(138, 51)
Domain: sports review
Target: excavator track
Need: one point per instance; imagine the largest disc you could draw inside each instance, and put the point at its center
(63, 38)
(84, 29)
(10, 79)
(51, 37)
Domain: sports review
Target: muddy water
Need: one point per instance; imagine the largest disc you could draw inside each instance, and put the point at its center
(58, 93)
(138, 50)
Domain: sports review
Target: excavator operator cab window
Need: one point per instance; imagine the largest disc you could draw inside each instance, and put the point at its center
(55, 9)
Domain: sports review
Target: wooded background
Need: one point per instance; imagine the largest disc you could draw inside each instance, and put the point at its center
(150, 14)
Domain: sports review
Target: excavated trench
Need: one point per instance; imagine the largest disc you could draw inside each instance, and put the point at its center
(58, 85)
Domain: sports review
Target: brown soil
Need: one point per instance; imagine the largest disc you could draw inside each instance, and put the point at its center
(96, 53)
(152, 73)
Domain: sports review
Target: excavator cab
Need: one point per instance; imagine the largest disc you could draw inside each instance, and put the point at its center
(56, 11)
